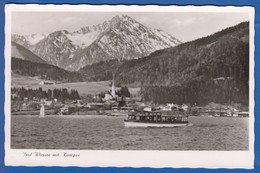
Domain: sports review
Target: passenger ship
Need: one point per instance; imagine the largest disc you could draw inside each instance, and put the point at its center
(156, 119)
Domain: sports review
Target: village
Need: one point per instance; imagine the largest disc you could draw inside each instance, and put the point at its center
(111, 102)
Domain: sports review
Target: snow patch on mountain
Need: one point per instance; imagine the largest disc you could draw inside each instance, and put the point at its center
(122, 37)
(35, 38)
(83, 40)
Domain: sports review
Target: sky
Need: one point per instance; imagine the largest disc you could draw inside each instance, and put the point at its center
(182, 25)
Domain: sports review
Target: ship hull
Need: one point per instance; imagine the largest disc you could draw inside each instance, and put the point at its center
(148, 124)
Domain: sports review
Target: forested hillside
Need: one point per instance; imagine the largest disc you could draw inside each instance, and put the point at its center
(44, 71)
(104, 70)
(100, 71)
(214, 68)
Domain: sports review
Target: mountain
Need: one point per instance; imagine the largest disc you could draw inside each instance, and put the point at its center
(21, 52)
(21, 40)
(27, 41)
(121, 38)
(35, 38)
(56, 48)
(211, 69)
(125, 39)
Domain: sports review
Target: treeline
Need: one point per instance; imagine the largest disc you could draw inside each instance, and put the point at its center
(60, 94)
(44, 71)
(223, 91)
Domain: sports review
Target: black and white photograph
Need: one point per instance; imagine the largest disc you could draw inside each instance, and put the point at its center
(129, 80)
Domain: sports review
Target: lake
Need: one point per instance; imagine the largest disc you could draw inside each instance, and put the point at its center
(108, 133)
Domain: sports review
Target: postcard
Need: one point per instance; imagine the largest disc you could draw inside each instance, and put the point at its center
(129, 86)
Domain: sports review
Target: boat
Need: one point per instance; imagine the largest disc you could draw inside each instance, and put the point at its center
(66, 110)
(42, 111)
(156, 119)
(123, 111)
(117, 114)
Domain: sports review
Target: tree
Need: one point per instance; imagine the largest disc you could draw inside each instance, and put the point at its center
(125, 92)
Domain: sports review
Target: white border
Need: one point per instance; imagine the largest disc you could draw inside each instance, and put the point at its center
(155, 159)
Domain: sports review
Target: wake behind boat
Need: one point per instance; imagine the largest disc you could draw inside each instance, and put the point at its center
(155, 119)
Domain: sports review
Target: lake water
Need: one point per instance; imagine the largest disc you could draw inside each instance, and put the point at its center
(108, 133)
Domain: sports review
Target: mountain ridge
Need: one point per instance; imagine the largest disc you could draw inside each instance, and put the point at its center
(122, 37)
